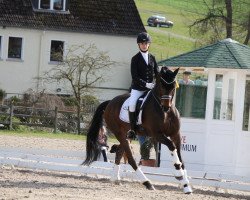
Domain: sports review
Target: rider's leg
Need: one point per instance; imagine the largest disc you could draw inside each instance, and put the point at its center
(132, 119)
(135, 94)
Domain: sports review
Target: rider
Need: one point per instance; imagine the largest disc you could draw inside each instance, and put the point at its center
(143, 69)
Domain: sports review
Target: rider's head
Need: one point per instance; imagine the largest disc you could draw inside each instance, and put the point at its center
(143, 41)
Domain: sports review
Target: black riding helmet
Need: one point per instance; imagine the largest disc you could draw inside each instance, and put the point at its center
(143, 37)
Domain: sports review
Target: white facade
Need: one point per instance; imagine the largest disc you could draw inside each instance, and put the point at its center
(217, 145)
(17, 75)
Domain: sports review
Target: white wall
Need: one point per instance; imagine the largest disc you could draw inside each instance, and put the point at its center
(17, 76)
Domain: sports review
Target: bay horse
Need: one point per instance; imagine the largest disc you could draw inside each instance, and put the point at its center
(160, 121)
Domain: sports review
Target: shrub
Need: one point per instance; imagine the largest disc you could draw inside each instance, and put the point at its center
(2, 94)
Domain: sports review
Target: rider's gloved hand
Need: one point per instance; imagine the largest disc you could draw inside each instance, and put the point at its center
(150, 85)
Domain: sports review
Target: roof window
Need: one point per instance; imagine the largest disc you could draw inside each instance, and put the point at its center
(50, 5)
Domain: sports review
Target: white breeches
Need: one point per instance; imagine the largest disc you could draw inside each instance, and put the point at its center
(134, 96)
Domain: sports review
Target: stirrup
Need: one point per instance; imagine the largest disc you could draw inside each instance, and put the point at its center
(131, 134)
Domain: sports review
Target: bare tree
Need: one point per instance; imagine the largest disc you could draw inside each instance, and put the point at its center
(82, 67)
(224, 19)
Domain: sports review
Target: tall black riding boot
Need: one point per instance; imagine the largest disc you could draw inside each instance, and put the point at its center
(132, 133)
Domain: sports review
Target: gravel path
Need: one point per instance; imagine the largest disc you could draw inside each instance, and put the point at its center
(17, 183)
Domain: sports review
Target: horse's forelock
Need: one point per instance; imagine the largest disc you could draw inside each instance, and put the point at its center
(167, 74)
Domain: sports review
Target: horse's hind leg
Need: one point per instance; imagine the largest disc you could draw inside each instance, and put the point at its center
(140, 175)
(116, 173)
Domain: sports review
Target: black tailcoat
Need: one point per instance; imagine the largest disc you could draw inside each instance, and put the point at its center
(141, 72)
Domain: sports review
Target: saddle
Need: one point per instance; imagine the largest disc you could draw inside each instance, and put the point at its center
(139, 109)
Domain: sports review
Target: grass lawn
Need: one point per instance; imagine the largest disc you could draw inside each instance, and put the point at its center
(168, 42)
(165, 46)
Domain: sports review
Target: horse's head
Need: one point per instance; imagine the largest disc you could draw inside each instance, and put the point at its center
(167, 84)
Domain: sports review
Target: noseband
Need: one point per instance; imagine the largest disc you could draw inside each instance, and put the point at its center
(167, 97)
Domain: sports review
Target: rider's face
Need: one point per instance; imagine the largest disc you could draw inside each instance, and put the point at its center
(144, 46)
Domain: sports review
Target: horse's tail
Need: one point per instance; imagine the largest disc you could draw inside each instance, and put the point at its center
(92, 148)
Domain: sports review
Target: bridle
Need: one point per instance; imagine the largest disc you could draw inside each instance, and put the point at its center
(167, 97)
(164, 97)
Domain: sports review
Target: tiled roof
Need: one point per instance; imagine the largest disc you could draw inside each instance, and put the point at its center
(99, 16)
(223, 54)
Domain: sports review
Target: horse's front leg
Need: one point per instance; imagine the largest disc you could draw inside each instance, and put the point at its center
(174, 146)
(179, 173)
(184, 180)
(140, 175)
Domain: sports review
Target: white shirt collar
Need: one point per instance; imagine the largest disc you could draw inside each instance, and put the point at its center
(145, 56)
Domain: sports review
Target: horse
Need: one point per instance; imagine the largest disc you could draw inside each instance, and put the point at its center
(160, 121)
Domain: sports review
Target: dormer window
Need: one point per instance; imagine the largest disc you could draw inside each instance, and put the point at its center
(50, 5)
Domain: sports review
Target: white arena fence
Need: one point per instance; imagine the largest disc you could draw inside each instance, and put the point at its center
(70, 161)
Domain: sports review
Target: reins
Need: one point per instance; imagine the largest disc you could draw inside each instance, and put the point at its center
(157, 99)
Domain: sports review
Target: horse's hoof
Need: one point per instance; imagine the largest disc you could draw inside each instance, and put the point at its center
(148, 185)
(117, 183)
(187, 190)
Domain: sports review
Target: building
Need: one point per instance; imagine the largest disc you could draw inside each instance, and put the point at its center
(215, 113)
(31, 29)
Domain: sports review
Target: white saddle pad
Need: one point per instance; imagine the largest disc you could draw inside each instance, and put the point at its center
(124, 111)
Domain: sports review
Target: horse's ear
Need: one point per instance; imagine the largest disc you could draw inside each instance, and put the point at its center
(176, 71)
(164, 69)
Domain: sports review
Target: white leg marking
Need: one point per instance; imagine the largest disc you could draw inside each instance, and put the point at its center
(185, 178)
(185, 181)
(140, 175)
(178, 173)
(175, 157)
(176, 160)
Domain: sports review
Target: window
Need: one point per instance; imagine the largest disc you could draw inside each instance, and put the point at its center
(59, 5)
(246, 113)
(217, 96)
(56, 50)
(51, 5)
(44, 4)
(224, 96)
(15, 47)
(191, 96)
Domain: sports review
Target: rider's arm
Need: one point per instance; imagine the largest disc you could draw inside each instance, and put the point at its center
(134, 73)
